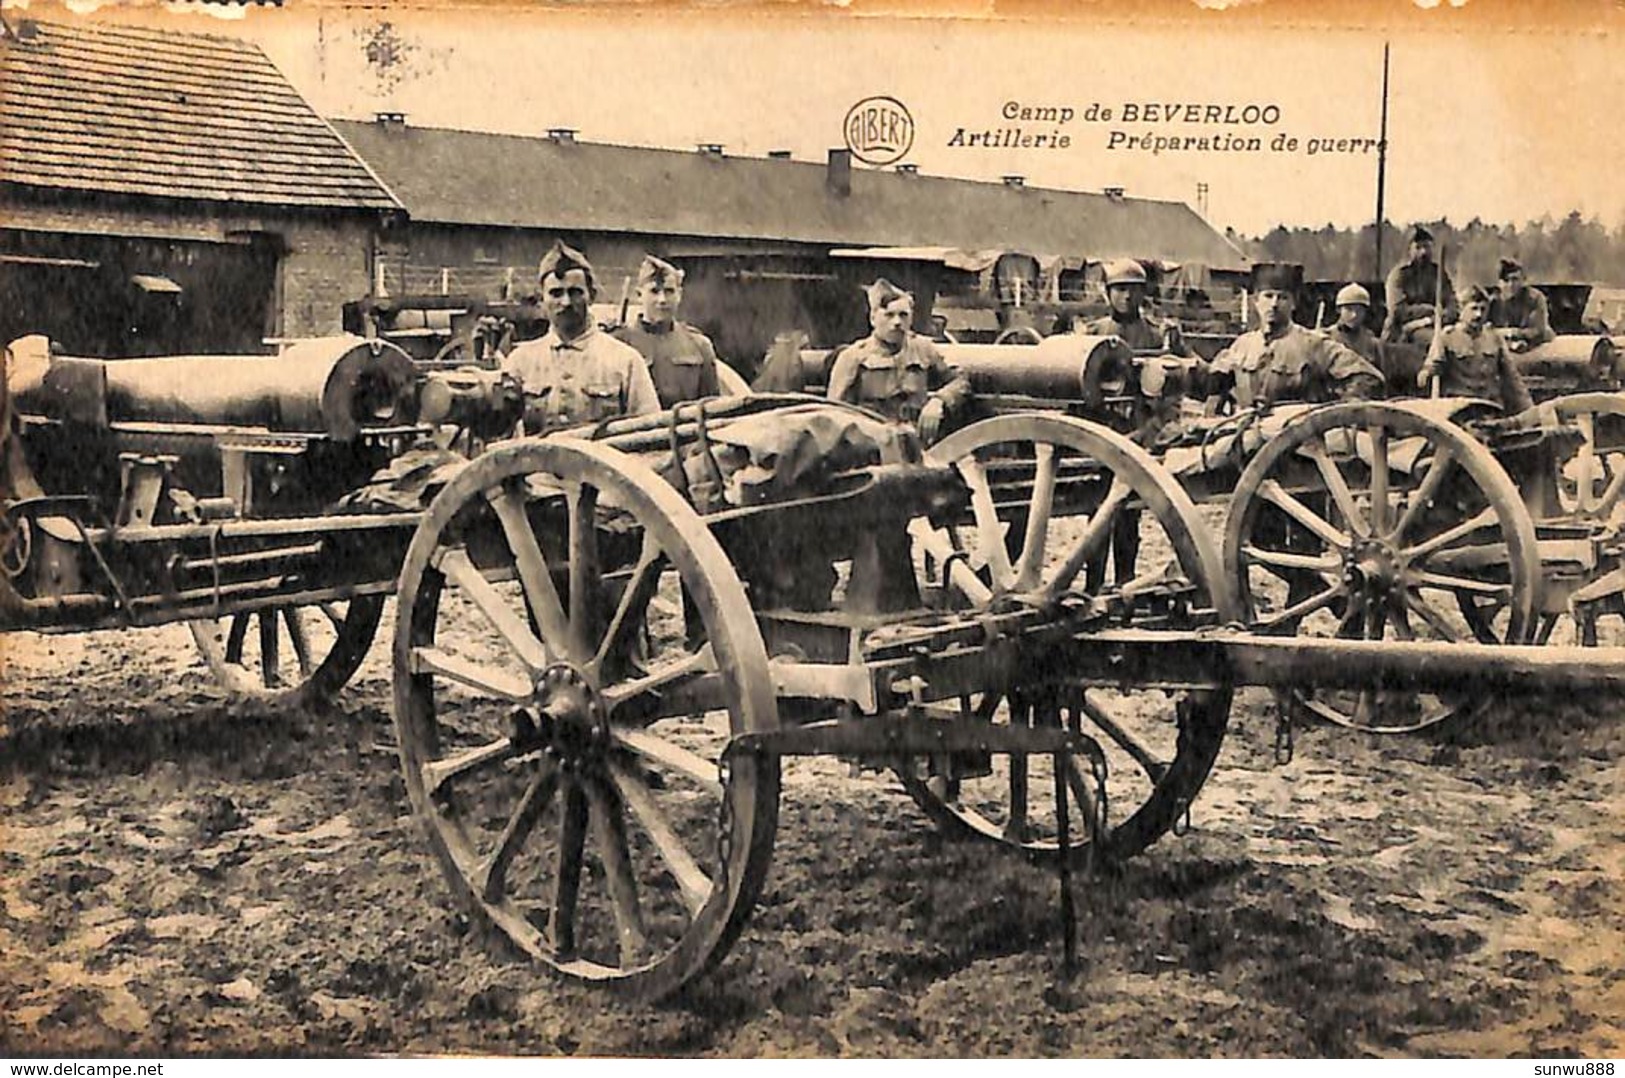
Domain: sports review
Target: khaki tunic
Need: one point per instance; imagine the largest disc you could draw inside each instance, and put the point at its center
(681, 359)
(896, 383)
(1296, 366)
(1478, 365)
(1139, 334)
(1524, 316)
(571, 383)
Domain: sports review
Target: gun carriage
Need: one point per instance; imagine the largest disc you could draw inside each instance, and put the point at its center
(608, 639)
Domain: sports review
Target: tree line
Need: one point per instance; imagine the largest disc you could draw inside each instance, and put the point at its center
(1574, 249)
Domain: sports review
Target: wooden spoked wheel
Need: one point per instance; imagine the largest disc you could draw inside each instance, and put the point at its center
(562, 743)
(289, 655)
(1073, 491)
(1591, 472)
(1371, 521)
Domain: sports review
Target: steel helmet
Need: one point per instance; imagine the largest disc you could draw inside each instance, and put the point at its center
(1352, 294)
(1124, 271)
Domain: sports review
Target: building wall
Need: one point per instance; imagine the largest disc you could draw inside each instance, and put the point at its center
(325, 260)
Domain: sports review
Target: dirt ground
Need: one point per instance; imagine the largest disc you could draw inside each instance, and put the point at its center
(186, 876)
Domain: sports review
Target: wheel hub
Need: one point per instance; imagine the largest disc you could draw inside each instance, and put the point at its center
(1373, 565)
(575, 722)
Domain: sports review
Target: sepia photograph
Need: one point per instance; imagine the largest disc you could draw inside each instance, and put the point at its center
(812, 530)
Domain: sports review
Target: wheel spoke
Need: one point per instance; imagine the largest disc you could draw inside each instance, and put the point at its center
(674, 756)
(1338, 487)
(1379, 479)
(499, 683)
(491, 879)
(1084, 795)
(1015, 826)
(454, 563)
(628, 616)
(1094, 535)
(585, 582)
(699, 662)
(534, 575)
(1425, 492)
(334, 615)
(1303, 608)
(1485, 518)
(236, 637)
(1283, 559)
(1397, 617)
(692, 881)
(1153, 767)
(989, 530)
(567, 871)
(294, 620)
(436, 773)
(609, 835)
(1460, 584)
(1038, 516)
(1272, 491)
(270, 675)
(1417, 604)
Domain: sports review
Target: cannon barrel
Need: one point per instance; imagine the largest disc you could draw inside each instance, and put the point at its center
(1067, 366)
(335, 386)
(1577, 361)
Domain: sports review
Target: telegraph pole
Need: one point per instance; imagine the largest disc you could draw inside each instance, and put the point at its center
(1382, 161)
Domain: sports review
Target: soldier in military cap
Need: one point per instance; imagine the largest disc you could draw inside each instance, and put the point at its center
(1352, 330)
(1126, 286)
(575, 374)
(1412, 288)
(1519, 311)
(681, 360)
(1281, 360)
(1471, 360)
(895, 371)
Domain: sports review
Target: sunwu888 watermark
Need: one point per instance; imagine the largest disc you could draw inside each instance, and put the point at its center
(1579, 1070)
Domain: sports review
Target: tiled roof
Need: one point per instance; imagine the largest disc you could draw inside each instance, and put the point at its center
(145, 112)
(475, 178)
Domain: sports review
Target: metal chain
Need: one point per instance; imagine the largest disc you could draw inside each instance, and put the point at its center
(725, 817)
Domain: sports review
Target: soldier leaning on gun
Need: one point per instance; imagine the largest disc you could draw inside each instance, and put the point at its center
(1412, 288)
(1281, 360)
(682, 361)
(1519, 312)
(1471, 360)
(575, 374)
(1126, 286)
(895, 371)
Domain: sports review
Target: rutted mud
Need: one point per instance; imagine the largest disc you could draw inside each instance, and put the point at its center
(184, 876)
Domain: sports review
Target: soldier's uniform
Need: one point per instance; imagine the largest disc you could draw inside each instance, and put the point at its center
(1138, 332)
(896, 382)
(1476, 363)
(1296, 365)
(584, 380)
(682, 361)
(1360, 341)
(1410, 290)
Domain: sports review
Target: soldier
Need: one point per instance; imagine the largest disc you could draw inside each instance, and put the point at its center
(895, 371)
(1282, 361)
(575, 374)
(1411, 289)
(681, 360)
(1518, 311)
(1351, 330)
(1126, 289)
(1471, 360)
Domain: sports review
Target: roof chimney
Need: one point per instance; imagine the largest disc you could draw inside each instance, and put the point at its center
(564, 136)
(709, 149)
(389, 120)
(1014, 181)
(26, 30)
(838, 176)
(1113, 193)
(909, 168)
(778, 155)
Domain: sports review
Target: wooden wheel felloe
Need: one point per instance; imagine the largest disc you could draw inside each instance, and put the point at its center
(562, 744)
(287, 655)
(1373, 521)
(1050, 495)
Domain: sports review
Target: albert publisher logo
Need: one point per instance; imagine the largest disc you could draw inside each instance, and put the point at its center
(879, 130)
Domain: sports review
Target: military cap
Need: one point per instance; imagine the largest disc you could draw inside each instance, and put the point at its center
(658, 271)
(1353, 295)
(1509, 266)
(1277, 276)
(560, 259)
(1124, 271)
(1421, 235)
(1472, 293)
(883, 294)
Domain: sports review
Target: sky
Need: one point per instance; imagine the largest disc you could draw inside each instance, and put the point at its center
(1503, 125)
